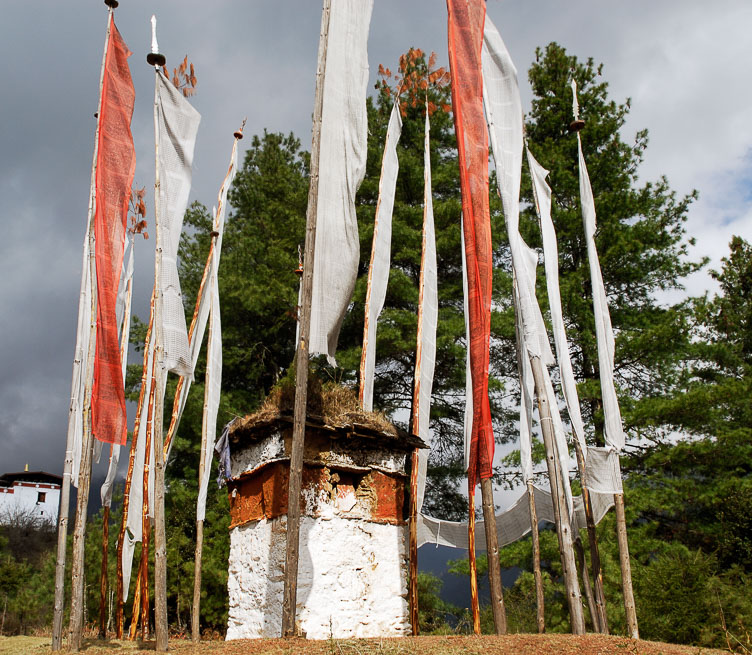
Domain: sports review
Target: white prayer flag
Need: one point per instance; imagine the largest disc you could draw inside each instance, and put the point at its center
(177, 124)
(542, 194)
(604, 334)
(342, 165)
(378, 272)
(428, 314)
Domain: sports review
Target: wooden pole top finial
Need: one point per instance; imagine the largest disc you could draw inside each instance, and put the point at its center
(112, 3)
(238, 134)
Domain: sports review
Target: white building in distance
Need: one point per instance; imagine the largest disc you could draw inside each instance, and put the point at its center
(35, 494)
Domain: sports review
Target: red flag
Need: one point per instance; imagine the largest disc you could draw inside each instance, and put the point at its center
(466, 18)
(116, 164)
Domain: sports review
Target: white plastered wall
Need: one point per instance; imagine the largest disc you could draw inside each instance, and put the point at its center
(352, 578)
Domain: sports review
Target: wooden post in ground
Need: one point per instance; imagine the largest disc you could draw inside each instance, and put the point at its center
(413, 545)
(580, 552)
(492, 552)
(129, 475)
(157, 60)
(136, 609)
(626, 567)
(540, 616)
(474, 605)
(289, 601)
(103, 577)
(77, 618)
(62, 526)
(561, 511)
(595, 559)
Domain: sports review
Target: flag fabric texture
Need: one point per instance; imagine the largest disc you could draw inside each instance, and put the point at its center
(177, 124)
(80, 364)
(116, 164)
(213, 381)
(378, 271)
(465, 30)
(342, 165)
(604, 334)
(198, 325)
(542, 195)
(123, 311)
(428, 314)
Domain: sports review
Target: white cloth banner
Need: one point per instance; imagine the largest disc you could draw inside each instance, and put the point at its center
(602, 471)
(80, 362)
(511, 524)
(212, 390)
(527, 396)
(177, 124)
(468, 422)
(530, 262)
(204, 300)
(123, 315)
(501, 96)
(213, 381)
(614, 433)
(342, 165)
(427, 321)
(378, 272)
(542, 193)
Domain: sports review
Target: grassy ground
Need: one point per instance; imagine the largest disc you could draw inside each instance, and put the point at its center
(518, 644)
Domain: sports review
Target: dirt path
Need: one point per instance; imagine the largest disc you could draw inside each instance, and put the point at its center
(519, 644)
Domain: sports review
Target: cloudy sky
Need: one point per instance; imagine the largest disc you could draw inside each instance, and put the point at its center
(686, 66)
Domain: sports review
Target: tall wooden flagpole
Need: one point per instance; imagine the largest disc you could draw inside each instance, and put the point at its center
(205, 428)
(129, 475)
(540, 614)
(301, 361)
(84, 478)
(154, 58)
(561, 512)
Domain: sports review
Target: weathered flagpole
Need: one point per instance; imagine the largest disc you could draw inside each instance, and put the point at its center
(129, 475)
(561, 510)
(196, 609)
(103, 576)
(76, 617)
(621, 524)
(104, 582)
(154, 58)
(540, 616)
(301, 360)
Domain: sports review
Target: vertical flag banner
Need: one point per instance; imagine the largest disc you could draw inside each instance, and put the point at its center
(378, 272)
(542, 194)
(614, 433)
(123, 310)
(177, 126)
(206, 289)
(343, 149)
(428, 314)
(116, 164)
(465, 28)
